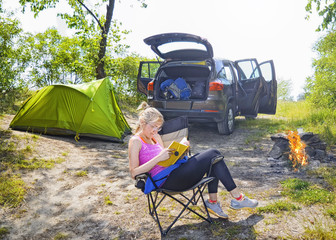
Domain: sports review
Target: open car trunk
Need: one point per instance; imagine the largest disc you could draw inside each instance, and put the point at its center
(196, 77)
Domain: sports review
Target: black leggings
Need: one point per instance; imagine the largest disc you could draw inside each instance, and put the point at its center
(191, 172)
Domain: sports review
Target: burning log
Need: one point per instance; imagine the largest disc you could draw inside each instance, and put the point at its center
(297, 147)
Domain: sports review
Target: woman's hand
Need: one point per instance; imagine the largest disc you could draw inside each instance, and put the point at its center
(165, 154)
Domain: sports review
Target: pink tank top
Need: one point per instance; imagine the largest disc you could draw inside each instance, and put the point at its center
(149, 151)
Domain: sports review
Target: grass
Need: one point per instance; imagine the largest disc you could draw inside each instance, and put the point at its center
(107, 200)
(61, 236)
(320, 231)
(278, 206)
(65, 154)
(293, 110)
(14, 159)
(331, 212)
(36, 163)
(302, 114)
(3, 231)
(81, 174)
(291, 116)
(328, 174)
(11, 157)
(306, 193)
(12, 190)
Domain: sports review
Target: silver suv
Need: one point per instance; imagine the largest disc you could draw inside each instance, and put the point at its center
(191, 82)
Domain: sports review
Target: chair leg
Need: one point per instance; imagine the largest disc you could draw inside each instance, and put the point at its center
(206, 209)
(154, 202)
(153, 212)
(186, 206)
(195, 198)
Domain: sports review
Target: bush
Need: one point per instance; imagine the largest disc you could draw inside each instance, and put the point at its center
(13, 99)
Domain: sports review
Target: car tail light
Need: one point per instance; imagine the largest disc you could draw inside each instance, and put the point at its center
(150, 86)
(210, 111)
(216, 86)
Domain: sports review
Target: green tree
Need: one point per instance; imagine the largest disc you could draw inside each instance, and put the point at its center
(14, 59)
(44, 47)
(58, 59)
(301, 97)
(284, 89)
(97, 27)
(322, 85)
(326, 9)
(124, 72)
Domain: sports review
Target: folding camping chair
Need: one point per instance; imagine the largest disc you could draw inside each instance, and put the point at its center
(174, 129)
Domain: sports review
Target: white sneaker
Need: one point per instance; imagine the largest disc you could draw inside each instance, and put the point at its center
(215, 209)
(245, 203)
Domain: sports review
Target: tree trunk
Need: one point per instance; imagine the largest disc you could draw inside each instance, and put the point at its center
(100, 71)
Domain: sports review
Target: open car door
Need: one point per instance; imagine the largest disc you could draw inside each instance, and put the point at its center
(268, 103)
(251, 87)
(146, 73)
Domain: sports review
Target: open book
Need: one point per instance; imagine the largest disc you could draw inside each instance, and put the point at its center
(180, 150)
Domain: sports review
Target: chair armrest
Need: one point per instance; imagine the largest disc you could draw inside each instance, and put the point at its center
(142, 176)
(140, 180)
(214, 161)
(217, 159)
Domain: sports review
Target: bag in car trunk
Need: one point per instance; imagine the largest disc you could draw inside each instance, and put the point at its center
(183, 82)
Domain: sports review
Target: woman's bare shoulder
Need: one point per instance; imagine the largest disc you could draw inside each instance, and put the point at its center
(134, 141)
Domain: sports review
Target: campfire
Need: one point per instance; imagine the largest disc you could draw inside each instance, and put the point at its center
(297, 147)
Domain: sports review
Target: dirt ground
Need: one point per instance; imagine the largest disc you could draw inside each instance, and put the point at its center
(62, 205)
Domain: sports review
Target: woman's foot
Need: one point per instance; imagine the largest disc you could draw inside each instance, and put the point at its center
(244, 203)
(216, 209)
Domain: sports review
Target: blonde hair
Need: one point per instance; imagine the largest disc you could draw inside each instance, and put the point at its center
(147, 114)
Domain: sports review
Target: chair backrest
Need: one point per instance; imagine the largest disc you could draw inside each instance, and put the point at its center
(174, 130)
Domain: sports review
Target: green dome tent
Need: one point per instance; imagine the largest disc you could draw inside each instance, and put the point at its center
(88, 109)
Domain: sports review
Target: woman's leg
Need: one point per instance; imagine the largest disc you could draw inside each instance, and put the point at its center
(221, 173)
(192, 171)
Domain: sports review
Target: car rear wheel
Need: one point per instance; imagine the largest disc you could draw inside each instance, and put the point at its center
(226, 127)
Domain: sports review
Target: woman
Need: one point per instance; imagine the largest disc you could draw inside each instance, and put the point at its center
(146, 150)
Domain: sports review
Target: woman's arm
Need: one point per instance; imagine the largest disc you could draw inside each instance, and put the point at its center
(133, 155)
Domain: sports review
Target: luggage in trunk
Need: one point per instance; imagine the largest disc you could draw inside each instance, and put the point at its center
(187, 82)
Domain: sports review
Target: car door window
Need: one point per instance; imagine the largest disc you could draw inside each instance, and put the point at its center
(222, 74)
(149, 69)
(266, 70)
(248, 70)
(228, 72)
(146, 73)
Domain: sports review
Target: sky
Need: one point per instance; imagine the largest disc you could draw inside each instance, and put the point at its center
(237, 29)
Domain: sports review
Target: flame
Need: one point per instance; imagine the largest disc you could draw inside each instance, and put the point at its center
(297, 154)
